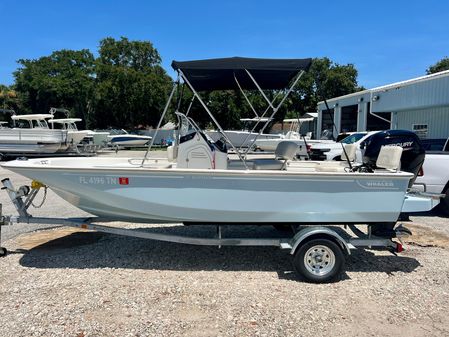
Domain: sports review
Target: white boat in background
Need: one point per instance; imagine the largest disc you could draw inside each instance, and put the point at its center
(74, 136)
(125, 139)
(292, 135)
(245, 137)
(31, 135)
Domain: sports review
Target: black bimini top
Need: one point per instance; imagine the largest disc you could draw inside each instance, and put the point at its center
(218, 74)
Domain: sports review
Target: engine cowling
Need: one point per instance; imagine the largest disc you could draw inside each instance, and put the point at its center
(413, 154)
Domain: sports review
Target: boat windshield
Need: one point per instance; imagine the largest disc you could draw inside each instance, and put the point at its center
(355, 137)
(187, 126)
(116, 132)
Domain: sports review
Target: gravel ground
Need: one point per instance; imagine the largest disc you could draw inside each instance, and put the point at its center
(65, 282)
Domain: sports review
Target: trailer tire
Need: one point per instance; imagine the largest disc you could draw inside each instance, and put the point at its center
(319, 261)
(3, 252)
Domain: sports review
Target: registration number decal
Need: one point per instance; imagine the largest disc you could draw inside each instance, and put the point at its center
(92, 180)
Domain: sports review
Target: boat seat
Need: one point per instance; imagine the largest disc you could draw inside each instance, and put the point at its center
(284, 152)
(172, 153)
(350, 150)
(389, 158)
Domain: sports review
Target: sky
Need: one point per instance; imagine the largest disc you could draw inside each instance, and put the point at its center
(387, 41)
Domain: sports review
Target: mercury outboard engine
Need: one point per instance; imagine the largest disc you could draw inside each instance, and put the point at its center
(412, 156)
(412, 160)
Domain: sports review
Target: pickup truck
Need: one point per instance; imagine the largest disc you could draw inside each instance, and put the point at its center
(434, 177)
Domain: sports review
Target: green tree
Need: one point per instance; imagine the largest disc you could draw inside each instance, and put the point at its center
(9, 98)
(441, 65)
(324, 80)
(63, 79)
(131, 86)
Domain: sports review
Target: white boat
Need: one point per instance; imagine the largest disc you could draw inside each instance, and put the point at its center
(31, 135)
(245, 137)
(198, 183)
(125, 139)
(292, 135)
(74, 136)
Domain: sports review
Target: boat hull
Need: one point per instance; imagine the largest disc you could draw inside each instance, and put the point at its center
(75, 137)
(31, 140)
(130, 193)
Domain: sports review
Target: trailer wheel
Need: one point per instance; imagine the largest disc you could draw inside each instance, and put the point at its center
(319, 261)
(3, 251)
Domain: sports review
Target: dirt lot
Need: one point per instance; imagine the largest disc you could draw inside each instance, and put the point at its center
(65, 282)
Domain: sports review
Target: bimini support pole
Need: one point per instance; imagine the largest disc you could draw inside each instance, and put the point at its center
(220, 129)
(190, 105)
(259, 118)
(275, 108)
(160, 122)
(257, 123)
(246, 97)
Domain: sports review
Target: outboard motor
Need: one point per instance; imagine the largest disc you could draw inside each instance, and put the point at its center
(413, 154)
(412, 160)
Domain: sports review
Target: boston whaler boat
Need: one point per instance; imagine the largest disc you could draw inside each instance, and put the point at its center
(198, 183)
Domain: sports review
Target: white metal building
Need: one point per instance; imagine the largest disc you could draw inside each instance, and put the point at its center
(420, 104)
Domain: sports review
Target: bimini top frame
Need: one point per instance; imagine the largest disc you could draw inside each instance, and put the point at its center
(242, 74)
(221, 74)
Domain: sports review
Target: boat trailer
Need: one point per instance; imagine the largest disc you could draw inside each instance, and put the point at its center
(318, 251)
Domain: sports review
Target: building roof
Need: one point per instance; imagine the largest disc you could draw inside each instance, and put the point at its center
(395, 85)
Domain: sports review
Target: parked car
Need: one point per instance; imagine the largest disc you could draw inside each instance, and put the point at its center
(434, 177)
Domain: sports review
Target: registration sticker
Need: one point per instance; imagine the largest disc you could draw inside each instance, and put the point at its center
(123, 181)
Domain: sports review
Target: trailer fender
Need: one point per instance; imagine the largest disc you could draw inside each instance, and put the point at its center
(308, 233)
